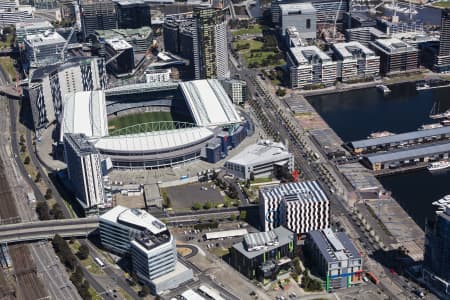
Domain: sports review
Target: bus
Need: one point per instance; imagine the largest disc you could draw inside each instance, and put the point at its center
(99, 262)
(372, 277)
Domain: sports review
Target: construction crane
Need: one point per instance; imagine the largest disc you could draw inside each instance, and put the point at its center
(63, 50)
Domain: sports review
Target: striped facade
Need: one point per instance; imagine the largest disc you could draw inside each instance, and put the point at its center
(299, 206)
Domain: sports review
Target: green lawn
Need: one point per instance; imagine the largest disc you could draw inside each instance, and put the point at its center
(253, 29)
(7, 43)
(8, 65)
(256, 57)
(220, 251)
(262, 180)
(140, 118)
(444, 4)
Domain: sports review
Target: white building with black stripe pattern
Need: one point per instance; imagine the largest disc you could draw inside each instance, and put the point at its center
(49, 84)
(299, 206)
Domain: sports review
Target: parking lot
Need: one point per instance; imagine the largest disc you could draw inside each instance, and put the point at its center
(184, 196)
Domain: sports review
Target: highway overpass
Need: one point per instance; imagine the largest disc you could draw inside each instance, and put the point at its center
(40, 230)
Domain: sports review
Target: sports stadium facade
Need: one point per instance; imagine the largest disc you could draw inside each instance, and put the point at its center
(211, 123)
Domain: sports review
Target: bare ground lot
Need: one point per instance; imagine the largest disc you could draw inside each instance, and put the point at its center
(184, 196)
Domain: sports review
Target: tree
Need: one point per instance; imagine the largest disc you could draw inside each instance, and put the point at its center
(252, 176)
(242, 215)
(48, 194)
(281, 92)
(38, 177)
(22, 139)
(77, 276)
(207, 205)
(26, 160)
(42, 210)
(83, 252)
(144, 292)
(232, 217)
(196, 206)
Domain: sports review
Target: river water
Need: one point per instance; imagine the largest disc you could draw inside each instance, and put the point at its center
(356, 114)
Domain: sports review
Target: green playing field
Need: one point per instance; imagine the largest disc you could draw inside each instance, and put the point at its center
(140, 118)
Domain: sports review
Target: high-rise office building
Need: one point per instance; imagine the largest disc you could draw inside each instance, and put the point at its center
(436, 265)
(299, 206)
(210, 45)
(97, 14)
(84, 170)
(151, 246)
(443, 59)
(396, 56)
(133, 14)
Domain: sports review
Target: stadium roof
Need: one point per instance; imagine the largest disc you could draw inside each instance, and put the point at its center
(402, 137)
(284, 236)
(410, 153)
(263, 151)
(85, 112)
(163, 140)
(209, 103)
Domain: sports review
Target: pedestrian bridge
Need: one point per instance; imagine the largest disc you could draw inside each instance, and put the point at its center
(41, 230)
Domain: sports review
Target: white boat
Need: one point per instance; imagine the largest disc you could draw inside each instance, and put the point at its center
(443, 202)
(431, 126)
(379, 134)
(383, 88)
(439, 165)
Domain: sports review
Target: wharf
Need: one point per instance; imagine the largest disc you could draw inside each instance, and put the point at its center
(401, 170)
(384, 214)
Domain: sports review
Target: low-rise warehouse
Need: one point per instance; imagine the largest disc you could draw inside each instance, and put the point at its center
(399, 158)
(400, 140)
(225, 234)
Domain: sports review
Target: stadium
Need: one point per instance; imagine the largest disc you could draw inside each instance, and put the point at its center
(156, 125)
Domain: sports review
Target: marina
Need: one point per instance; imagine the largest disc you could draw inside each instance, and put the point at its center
(370, 111)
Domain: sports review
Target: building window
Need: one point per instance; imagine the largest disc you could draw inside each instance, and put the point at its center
(308, 23)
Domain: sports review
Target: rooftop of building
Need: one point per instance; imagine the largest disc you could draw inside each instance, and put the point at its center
(134, 217)
(85, 112)
(143, 32)
(393, 45)
(146, 240)
(294, 37)
(41, 72)
(351, 50)
(80, 143)
(304, 191)
(132, 2)
(297, 8)
(308, 55)
(44, 39)
(401, 137)
(260, 152)
(32, 24)
(281, 235)
(409, 153)
(334, 246)
(209, 103)
(191, 295)
(118, 44)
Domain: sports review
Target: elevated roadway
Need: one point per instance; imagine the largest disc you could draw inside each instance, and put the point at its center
(32, 231)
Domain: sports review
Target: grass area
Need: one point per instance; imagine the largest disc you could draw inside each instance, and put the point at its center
(184, 251)
(220, 251)
(8, 65)
(256, 57)
(88, 263)
(252, 29)
(7, 43)
(123, 294)
(262, 180)
(443, 4)
(404, 77)
(140, 118)
(94, 294)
